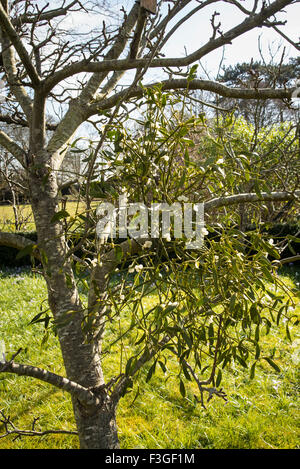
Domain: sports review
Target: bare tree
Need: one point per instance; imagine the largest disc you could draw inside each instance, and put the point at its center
(80, 75)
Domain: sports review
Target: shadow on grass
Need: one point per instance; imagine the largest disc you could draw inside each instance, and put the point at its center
(30, 406)
(291, 271)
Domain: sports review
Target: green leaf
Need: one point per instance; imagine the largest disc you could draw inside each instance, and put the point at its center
(164, 100)
(288, 333)
(185, 372)
(141, 339)
(26, 251)
(254, 314)
(219, 378)
(257, 333)
(36, 317)
(279, 314)
(187, 158)
(211, 334)
(293, 238)
(59, 216)
(192, 73)
(241, 361)
(227, 360)
(151, 372)
(252, 371)
(205, 368)
(202, 334)
(162, 365)
(267, 273)
(273, 364)
(129, 365)
(182, 388)
(119, 253)
(187, 339)
(257, 352)
(232, 302)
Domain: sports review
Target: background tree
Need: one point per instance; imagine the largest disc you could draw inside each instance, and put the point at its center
(261, 74)
(82, 77)
(14, 188)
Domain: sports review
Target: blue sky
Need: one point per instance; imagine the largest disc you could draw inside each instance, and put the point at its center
(198, 30)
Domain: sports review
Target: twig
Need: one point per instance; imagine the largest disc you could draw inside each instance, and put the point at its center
(11, 429)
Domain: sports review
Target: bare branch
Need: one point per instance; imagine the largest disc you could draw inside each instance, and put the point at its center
(11, 429)
(9, 62)
(19, 46)
(296, 45)
(186, 18)
(288, 260)
(180, 84)
(84, 395)
(248, 24)
(76, 115)
(11, 119)
(19, 242)
(16, 241)
(12, 147)
(115, 51)
(46, 16)
(250, 197)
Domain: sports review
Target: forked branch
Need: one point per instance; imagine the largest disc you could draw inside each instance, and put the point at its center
(12, 430)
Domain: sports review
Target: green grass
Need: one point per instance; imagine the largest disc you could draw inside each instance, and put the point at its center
(260, 413)
(26, 216)
(7, 218)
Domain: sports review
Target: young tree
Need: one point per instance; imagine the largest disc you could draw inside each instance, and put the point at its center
(82, 77)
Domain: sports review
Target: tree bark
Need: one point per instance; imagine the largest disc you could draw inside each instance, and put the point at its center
(96, 424)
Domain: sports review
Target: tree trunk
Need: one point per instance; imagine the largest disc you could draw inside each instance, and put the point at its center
(96, 426)
(99, 430)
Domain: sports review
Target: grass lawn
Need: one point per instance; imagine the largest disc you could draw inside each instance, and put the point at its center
(260, 413)
(7, 218)
(25, 215)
